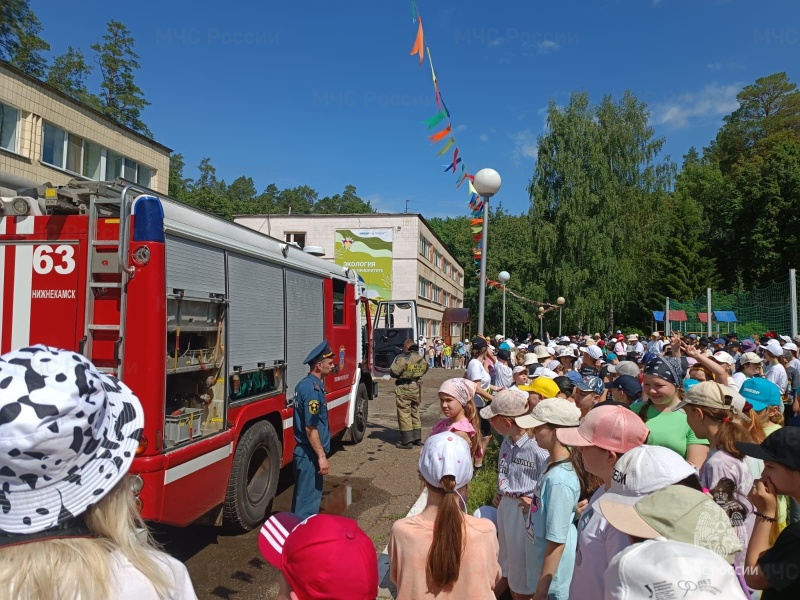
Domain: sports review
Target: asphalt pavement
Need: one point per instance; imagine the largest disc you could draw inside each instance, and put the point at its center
(373, 482)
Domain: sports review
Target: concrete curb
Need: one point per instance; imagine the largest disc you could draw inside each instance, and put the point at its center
(387, 589)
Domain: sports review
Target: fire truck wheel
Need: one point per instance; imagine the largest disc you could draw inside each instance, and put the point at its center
(254, 477)
(359, 426)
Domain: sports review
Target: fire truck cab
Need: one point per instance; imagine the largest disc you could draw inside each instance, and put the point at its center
(208, 322)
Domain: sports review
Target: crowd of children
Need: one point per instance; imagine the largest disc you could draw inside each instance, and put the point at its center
(616, 479)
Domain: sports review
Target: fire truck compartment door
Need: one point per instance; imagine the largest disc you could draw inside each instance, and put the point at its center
(304, 322)
(194, 267)
(255, 315)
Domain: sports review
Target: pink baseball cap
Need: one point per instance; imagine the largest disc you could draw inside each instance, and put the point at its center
(324, 557)
(614, 428)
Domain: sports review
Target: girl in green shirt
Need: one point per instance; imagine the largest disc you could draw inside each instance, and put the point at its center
(662, 387)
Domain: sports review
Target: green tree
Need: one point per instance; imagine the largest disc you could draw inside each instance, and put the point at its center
(20, 43)
(297, 200)
(597, 199)
(346, 204)
(121, 99)
(769, 108)
(179, 185)
(68, 74)
(242, 190)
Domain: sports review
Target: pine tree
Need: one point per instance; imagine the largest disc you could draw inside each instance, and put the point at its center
(20, 43)
(68, 74)
(121, 99)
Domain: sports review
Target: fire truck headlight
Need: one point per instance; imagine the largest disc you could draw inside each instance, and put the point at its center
(137, 483)
(20, 206)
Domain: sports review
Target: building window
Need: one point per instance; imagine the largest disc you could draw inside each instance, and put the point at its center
(53, 146)
(424, 288)
(298, 238)
(72, 153)
(437, 259)
(9, 125)
(424, 246)
(435, 328)
(339, 287)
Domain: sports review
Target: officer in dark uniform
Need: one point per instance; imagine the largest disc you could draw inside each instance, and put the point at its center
(311, 433)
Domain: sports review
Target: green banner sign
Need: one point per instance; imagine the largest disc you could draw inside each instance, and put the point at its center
(369, 253)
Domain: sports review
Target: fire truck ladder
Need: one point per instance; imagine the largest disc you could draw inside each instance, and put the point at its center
(107, 269)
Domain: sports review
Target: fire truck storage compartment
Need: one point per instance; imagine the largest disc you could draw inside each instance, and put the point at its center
(304, 322)
(196, 323)
(257, 336)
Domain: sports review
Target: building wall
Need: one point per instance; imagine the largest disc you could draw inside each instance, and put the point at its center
(407, 263)
(38, 103)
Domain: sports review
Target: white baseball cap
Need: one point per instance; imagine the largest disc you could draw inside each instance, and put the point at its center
(790, 346)
(594, 351)
(644, 470)
(553, 411)
(446, 454)
(723, 357)
(773, 347)
(675, 569)
(545, 372)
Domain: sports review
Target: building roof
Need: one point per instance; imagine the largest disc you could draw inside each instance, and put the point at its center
(69, 99)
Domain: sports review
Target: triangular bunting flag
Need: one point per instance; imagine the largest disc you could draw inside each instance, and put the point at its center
(475, 221)
(419, 43)
(456, 160)
(472, 189)
(413, 12)
(443, 104)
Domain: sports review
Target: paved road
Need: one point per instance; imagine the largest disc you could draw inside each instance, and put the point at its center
(373, 482)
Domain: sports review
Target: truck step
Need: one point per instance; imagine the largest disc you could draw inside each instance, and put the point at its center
(94, 327)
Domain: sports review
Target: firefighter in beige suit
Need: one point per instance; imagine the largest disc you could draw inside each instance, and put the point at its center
(407, 370)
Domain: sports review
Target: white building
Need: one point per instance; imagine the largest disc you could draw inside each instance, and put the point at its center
(421, 268)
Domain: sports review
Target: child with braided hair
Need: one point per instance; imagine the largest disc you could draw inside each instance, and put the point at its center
(712, 413)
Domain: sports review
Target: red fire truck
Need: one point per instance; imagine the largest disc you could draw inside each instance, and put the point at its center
(207, 321)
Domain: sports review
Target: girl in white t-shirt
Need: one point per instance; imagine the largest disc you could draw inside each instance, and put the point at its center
(477, 372)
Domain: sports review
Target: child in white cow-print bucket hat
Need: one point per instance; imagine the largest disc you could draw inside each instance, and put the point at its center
(68, 435)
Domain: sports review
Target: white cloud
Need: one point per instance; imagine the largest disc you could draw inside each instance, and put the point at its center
(495, 42)
(548, 46)
(713, 101)
(484, 137)
(656, 2)
(714, 66)
(525, 146)
(460, 128)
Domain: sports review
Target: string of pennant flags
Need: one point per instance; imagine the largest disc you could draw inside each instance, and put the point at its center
(498, 285)
(446, 136)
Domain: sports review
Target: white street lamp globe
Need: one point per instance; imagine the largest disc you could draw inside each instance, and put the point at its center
(541, 309)
(487, 182)
(503, 276)
(560, 301)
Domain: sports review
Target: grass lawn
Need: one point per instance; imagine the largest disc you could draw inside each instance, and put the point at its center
(483, 486)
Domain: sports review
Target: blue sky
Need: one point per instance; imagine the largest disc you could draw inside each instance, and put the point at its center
(326, 93)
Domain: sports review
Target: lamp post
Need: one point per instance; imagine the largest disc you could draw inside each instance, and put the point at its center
(560, 301)
(487, 183)
(541, 323)
(503, 276)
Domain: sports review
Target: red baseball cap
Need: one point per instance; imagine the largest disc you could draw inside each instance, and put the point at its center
(614, 428)
(324, 557)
